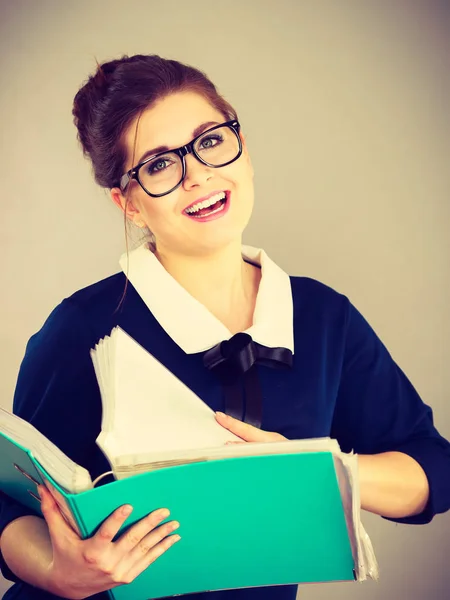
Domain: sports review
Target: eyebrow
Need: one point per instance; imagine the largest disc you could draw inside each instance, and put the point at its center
(197, 131)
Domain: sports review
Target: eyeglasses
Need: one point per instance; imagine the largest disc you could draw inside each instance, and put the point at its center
(162, 173)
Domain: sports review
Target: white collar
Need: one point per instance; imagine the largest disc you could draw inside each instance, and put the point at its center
(190, 324)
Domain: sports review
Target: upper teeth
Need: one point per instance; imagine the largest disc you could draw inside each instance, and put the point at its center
(209, 202)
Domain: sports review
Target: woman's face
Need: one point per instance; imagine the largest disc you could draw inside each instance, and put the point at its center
(173, 122)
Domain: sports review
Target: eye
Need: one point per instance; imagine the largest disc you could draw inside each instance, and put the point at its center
(160, 164)
(209, 141)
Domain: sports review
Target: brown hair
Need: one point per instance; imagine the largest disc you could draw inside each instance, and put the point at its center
(117, 93)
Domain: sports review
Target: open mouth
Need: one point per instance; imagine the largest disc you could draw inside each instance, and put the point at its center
(206, 208)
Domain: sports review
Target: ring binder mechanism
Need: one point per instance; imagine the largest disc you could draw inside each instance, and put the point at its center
(27, 475)
(34, 496)
(102, 476)
(30, 478)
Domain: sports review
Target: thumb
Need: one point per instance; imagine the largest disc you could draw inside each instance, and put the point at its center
(57, 525)
(245, 431)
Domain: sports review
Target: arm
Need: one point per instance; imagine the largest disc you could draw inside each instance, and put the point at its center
(27, 550)
(404, 463)
(57, 392)
(392, 484)
(51, 556)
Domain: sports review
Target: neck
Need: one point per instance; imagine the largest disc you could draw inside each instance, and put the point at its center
(221, 281)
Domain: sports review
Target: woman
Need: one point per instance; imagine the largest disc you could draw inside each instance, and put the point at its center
(170, 150)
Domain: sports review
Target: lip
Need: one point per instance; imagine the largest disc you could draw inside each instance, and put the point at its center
(216, 215)
(227, 197)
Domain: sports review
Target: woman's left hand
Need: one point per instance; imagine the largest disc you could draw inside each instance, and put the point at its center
(247, 432)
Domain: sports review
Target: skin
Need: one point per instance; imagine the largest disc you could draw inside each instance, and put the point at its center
(205, 258)
(392, 484)
(48, 553)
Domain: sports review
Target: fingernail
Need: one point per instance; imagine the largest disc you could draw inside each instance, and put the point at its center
(176, 538)
(126, 510)
(163, 513)
(221, 414)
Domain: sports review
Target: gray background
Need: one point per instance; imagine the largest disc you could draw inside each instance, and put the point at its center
(345, 108)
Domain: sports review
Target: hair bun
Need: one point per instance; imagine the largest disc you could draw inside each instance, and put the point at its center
(89, 98)
(102, 77)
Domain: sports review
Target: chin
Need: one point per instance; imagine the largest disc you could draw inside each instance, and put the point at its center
(216, 243)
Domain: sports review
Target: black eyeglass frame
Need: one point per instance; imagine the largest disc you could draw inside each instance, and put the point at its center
(183, 151)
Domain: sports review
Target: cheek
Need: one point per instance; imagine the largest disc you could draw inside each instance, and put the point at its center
(247, 167)
(242, 174)
(150, 213)
(247, 177)
(160, 212)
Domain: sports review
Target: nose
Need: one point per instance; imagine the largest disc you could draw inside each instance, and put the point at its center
(197, 173)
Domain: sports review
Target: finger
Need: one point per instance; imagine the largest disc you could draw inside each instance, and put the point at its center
(148, 542)
(57, 525)
(131, 538)
(110, 527)
(234, 443)
(145, 561)
(244, 430)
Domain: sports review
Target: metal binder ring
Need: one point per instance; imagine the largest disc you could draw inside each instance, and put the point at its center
(27, 475)
(34, 495)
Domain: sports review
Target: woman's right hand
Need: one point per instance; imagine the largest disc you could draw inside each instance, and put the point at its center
(81, 568)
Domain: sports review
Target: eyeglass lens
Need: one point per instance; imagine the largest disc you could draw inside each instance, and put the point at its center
(165, 171)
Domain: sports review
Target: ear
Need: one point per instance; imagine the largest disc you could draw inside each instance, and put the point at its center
(127, 207)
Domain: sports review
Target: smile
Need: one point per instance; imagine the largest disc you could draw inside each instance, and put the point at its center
(211, 206)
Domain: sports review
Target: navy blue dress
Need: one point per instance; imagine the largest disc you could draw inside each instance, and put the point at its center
(343, 384)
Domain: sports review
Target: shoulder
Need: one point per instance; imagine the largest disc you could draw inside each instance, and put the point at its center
(83, 317)
(316, 298)
(313, 287)
(105, 294)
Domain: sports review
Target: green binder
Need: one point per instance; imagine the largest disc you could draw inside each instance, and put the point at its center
(244, 522)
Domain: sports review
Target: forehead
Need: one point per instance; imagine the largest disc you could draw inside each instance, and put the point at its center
(170, 122)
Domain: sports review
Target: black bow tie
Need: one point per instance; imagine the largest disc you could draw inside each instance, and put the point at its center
(233, 362)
